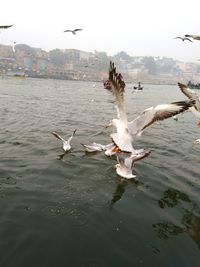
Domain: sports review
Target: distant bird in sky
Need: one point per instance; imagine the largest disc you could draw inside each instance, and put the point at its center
(192, 95)
(183, 38)
(73, 31)
(194, 37)
(66, 144)
(5, 26)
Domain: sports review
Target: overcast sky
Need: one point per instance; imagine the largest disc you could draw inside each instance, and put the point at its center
(140, 28)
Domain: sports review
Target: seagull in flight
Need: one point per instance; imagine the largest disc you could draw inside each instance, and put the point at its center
(127, 131)
(192, 95)
(185, 38)
(65, 144)
(194, 37)
(73, 31)
(5, 26)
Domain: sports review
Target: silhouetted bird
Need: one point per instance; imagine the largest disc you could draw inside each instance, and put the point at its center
(194, 37)
(73, 31)
(5, 26)
(183, 38)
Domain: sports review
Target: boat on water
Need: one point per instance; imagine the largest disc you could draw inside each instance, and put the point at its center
(193, 85)
(139, 87)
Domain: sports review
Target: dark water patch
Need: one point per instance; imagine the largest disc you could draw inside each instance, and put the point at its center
(54, 205)
(8, 180)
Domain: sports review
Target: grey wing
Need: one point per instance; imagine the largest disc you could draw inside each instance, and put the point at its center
(78, 30)
(69, 140)
(129, 162)
(166, 111)
(136, 126)
(186, 91)
(117, 88)
(58, 136)
(158, 113)
(190, 94)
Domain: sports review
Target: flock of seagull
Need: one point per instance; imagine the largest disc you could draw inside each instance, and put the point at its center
(121, 141)
(184, 38)
(72, 31)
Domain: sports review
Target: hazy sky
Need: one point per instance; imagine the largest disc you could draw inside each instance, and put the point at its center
(141, 28)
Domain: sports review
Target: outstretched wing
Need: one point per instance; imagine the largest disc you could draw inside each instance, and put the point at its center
(5, 26)
(117, 86)
(188, 40)
(69, 140)
(58, 136)
(78, 30)
(68, 31)
(157, 113)
(192, 95)
(129, 161)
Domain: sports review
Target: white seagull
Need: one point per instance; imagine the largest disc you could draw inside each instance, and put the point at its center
(126, 131)
(73, 31)
(109, 149)
(192, 95)
(66, 144)
(124, 167)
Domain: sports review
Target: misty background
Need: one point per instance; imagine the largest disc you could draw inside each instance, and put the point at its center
(140, 28)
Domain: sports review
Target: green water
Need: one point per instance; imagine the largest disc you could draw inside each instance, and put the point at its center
(74, 210)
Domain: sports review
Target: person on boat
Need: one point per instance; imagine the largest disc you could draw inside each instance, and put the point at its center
(139, 87)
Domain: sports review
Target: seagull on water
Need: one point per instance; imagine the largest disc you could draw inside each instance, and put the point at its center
(124, 167)
(94, 147)
(109, 149)
(66, 144)
(194, 37)
(73, 31)
(197, 141)
(185, 38)
(126, 131)
(192, 95)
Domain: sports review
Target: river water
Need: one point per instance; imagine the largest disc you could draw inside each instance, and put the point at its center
(74, 210)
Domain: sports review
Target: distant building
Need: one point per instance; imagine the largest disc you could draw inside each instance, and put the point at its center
(6, 51)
